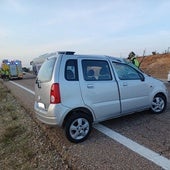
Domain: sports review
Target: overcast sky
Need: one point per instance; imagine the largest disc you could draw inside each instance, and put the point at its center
(29, 28)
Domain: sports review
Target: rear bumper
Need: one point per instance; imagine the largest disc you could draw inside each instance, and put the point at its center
(45, 119)
(43, 116)
(53, 116)
(16, 77)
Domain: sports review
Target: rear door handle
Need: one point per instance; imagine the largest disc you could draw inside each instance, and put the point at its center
(125, 83)
(90, 86)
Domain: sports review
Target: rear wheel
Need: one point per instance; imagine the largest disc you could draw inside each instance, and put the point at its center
(78, 127)
(158, 104)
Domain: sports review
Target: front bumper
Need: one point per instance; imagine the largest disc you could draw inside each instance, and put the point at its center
(169, 77)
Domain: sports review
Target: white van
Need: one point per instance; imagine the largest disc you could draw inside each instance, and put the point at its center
(38, 61)
(75, 91)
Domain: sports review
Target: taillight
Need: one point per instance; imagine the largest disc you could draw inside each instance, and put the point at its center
(55, 94)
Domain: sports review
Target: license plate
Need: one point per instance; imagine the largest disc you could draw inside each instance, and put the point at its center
(41, 105)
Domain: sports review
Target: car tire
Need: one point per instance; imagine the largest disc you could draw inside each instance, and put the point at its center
(78, 127)
(158, 104)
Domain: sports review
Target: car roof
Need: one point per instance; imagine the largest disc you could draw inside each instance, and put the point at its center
(70, 54)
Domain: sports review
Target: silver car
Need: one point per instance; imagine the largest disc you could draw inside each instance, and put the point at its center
(75, 91)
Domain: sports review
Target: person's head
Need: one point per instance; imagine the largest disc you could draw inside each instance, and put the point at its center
(131, 55)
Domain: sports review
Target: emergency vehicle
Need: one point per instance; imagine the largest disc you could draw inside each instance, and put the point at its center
(13, 68)
(38, 61)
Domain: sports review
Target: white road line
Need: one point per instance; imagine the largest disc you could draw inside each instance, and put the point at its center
(141, 150)
(22, 87)
(156, 158)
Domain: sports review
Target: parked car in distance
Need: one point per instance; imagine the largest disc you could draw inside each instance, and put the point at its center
(76, 91)
(169, 76)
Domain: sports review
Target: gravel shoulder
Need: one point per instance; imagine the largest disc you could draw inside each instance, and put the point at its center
(23, 144)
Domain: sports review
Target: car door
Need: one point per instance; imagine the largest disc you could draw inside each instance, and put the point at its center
(134, 90)
(99, 88)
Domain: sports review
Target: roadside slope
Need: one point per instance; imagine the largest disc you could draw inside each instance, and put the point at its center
(156, 65)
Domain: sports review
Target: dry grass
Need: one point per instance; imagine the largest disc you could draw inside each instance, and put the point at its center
(23, 144)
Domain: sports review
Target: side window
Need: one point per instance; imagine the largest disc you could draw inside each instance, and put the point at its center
(71, 70)
(126, 72)
(46, 70)
(96, 70)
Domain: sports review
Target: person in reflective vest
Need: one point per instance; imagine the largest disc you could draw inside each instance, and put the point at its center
(2, 74)
(7, 75)
(133, 59)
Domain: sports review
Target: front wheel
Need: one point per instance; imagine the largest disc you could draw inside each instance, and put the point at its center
(158, 104)
(78, 127)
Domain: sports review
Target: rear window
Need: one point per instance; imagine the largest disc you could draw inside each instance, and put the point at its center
(46, 70)
(96, 70)
(71, 70)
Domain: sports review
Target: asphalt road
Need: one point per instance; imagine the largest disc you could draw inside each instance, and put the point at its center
(99, 151)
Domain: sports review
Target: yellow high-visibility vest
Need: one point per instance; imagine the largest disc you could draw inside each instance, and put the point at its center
(135, 61)
(5, 67)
